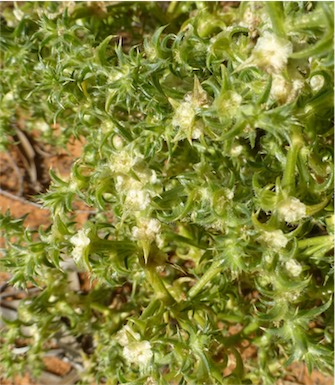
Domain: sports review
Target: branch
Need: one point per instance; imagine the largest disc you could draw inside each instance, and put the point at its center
(22, 200)
(26, 201)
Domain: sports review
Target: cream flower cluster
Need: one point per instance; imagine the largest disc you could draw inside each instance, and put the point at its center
(229, 103)
(139, 353)
(274, 239)
(122, 162)
(317, 82)
(147, 229)
(255, 18)
(184, 118)
(137, 197)
(291, 210)
(80, 241)
(185, 114)
(135, 351)
(293, 267)
(137, 194)
(270, 53)
(283, 90)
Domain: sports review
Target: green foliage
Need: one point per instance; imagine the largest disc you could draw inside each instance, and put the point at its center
(208, 158)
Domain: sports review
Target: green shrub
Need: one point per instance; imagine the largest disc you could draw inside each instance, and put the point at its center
(208, 159)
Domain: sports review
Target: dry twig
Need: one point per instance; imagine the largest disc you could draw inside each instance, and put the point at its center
(37, 205)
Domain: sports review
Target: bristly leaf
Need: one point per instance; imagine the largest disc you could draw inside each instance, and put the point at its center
(197, 219)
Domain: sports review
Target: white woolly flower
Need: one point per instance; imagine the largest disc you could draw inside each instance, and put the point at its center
(317, 82)
(160, 240)
(249, 19)
(271, 53)
(205, 194)
(122, 162)
(236, 150)
(115, 76)
(153, 177)
(293, 267)
(184, 115)
(9, 97)
(147, 176)
(121, 183)
(73, 184)
(217, 225)
(291, 210)
(147, 230)
(196, 133)
(41, 125)
(80, 241)
(280, 88)
(139, 353)
(235, 99)
(118, 142)
(255, 18)
(126, 335)
(137, 197)
(150, 381)
(18, 14)
(135, 351)
(297, 85)
(107, 127)
(229, 193)
(228, 104)
(274, 239)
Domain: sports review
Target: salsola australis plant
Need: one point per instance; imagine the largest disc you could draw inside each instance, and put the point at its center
(208, 160)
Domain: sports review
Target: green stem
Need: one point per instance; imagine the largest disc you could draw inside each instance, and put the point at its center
(116, 246)
(276, 13)
(150, 309)
(322, 46)
(172, 7)
(288, 181)
(321, 240)
(157, 284)
(215, 269)
(311, 210)
(100, 308)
